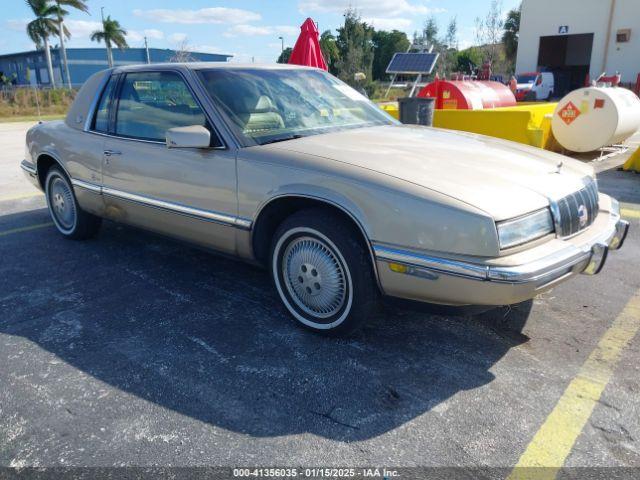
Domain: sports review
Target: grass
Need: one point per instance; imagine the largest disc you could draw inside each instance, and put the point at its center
(31, 118)
(21, 104)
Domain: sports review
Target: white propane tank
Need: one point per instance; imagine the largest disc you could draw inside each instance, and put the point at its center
(594, 117)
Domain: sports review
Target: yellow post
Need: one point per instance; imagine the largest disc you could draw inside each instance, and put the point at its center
(633, 163)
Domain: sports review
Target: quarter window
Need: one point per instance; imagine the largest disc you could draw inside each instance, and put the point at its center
(153, 102)
(101, 120)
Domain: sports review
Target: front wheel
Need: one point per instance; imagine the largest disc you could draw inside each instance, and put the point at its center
(322, 272)
(70, 220)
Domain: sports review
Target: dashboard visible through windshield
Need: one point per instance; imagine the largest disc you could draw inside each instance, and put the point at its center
(269, 105)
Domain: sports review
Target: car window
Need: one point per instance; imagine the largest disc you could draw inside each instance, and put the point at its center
(266, 105)
(101, 120)
(151, 103)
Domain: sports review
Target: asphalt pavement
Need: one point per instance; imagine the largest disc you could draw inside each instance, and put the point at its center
(134, 350)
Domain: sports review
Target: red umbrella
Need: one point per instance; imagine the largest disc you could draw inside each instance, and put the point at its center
(307, 49)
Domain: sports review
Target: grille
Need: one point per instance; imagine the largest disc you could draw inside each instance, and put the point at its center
(572, 208)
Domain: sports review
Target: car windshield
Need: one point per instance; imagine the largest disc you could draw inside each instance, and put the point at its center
(271, 105)
(527, 78)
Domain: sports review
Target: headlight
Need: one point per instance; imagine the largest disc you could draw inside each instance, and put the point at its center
(525, 229)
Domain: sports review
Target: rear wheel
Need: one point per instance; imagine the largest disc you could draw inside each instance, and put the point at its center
(322, 272)
(70, 220)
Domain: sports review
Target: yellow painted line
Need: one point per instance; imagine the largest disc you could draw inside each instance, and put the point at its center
(25, 229)
(629, 213)
(21, 197)
(555, 439)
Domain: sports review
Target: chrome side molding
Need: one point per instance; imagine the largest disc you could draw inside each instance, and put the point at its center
(208, 215)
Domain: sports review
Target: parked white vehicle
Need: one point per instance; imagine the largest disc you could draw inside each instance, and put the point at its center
(535, 86)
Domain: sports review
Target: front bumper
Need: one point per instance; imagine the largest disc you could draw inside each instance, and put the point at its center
(415, 276)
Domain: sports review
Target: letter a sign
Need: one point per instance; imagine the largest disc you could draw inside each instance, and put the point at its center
(563, 29)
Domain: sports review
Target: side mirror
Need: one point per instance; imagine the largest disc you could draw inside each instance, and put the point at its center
(193, 136)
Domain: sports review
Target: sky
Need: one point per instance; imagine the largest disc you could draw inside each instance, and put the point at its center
(247, 29)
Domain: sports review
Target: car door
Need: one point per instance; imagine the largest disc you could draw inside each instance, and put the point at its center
(188, 193)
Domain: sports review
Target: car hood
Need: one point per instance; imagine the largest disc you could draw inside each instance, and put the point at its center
(504, 179)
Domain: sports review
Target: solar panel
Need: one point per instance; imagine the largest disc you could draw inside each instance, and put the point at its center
(412, 63)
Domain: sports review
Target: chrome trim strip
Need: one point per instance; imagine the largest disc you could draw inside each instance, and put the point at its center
(28, 168)
(452, 267)
(568, 260)
(178, 208)
(86, 185)
(238, 222)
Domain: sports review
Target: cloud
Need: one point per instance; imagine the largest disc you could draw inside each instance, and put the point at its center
(82, 28)
(258, 30)
(17, 25)
(178, 37)
(205, 49)
(402, 24)
(214, 15)
(287, 30)
(371, 8)
(138, 36)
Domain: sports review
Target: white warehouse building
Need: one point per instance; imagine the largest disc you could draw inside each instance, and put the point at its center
(573, 38)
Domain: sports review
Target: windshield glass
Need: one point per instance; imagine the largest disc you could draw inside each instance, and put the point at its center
(527, 78)
(269, 105)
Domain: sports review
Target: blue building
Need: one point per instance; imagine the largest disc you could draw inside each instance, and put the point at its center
(30, 68)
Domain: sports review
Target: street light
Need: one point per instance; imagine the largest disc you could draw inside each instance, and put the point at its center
(281, 40)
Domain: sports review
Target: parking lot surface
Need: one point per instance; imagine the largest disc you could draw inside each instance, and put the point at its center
(132, 349)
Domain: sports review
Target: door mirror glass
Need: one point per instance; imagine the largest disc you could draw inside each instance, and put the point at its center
(193, 136)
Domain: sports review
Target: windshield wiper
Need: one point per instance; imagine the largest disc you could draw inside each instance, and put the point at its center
(282, 139)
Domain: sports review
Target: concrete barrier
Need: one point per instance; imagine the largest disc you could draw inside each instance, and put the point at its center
(525, 123)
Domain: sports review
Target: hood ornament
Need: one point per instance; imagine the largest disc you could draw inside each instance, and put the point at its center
(559, 167)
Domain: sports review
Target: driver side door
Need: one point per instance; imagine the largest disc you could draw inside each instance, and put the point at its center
(189, 193)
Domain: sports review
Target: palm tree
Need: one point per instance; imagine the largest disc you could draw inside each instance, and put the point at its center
(43, 27)
(111, 33)
(62, 30)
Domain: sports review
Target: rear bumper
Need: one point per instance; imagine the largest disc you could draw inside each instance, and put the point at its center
(415, 276)
(31, 173)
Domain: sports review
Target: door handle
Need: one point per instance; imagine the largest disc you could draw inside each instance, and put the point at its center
(110, 153)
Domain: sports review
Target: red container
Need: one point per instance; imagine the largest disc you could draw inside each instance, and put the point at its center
(468, 94)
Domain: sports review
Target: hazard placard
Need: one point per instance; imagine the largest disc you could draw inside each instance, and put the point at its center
(569, 113)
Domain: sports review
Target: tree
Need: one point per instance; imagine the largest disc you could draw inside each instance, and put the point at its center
(448, 48)
(468, 61)
(111, 33)
(511, 33)
(64, 32)
(285, 55)
(330, 50)
(43, 27)
(430, 31)
(355, 46)
(183, 54)
(385, 44)
(489, 31)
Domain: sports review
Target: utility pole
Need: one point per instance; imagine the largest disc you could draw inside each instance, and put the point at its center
(282, 41)
(146, 48)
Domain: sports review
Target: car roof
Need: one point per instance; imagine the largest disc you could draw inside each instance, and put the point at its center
(209, 65)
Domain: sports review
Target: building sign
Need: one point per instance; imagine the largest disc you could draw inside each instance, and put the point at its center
(563, 29)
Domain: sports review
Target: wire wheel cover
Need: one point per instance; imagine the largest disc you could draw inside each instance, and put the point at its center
(62, 204)
(314, 277)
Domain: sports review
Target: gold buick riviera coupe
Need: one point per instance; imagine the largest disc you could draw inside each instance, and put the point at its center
(290, 168)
